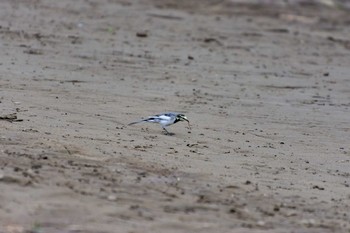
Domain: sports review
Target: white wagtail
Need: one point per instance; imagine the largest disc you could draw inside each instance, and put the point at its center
(165, 119)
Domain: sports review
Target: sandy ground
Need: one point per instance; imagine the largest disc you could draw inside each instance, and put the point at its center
(267, 91)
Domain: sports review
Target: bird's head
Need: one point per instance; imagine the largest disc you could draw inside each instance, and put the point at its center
(181, 117)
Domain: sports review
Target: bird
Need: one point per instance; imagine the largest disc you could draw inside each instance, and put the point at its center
(165, 119)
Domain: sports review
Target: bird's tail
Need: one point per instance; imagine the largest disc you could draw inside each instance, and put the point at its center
(136, 122)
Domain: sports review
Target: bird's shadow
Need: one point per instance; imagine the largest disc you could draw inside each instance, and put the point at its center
(169, 134)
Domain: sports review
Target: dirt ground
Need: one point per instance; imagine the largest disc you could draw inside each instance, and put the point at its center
(266, 88)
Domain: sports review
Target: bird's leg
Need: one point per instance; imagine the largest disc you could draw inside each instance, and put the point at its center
(167, 132)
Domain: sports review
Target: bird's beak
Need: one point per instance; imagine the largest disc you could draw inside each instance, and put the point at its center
(188, 122)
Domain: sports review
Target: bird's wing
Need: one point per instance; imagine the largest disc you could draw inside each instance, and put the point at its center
(164, 117)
